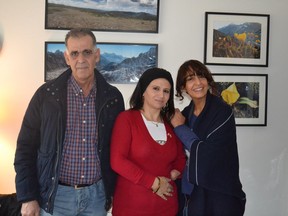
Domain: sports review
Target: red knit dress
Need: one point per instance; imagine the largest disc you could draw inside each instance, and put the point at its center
(138, 159)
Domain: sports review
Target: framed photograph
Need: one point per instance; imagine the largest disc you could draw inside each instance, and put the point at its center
(246, 94)
(236, 39)
(120, 63)
(103, 15)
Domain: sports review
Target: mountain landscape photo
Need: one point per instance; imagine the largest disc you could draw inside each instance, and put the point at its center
(237, 41)
(103, 15)
(114, 67)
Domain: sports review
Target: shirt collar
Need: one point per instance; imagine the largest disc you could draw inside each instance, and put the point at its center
(77, 89)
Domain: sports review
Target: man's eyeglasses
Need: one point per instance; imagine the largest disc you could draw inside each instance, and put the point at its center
(87, 53)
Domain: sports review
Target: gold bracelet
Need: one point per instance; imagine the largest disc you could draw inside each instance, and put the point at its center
(155, 191)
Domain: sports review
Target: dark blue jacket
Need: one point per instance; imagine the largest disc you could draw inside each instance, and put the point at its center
(40, 141)
(214, 163)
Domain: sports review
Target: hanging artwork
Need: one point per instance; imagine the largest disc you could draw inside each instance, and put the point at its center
(247, 96)
(120, 63)
(103, 15)
(236, 39)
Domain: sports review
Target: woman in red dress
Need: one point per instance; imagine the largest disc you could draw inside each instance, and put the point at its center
(145, 152)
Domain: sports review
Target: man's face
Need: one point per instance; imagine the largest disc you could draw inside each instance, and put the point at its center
(82, 56)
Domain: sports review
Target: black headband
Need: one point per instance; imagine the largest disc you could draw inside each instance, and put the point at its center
(151, 74)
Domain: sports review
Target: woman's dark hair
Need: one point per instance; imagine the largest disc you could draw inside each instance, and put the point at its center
(193, 67)
(136, 100)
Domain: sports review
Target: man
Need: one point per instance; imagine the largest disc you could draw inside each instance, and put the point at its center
(63, 149)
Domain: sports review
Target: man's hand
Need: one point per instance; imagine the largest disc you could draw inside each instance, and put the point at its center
(30, 208)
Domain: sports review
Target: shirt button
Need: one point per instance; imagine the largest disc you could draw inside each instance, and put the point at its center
(84, 121)
(83, 158)
(83, 139)
(82, 176)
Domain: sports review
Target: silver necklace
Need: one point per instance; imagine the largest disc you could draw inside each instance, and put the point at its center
(155, 123)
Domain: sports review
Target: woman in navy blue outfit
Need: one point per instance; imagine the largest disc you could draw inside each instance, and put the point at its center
(210, 184)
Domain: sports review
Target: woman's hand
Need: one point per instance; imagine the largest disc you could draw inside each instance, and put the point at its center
(174, 174)
(177, 119)
(164, 188)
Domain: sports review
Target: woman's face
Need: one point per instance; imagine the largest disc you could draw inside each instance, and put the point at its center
(157, 94)
(196, 86)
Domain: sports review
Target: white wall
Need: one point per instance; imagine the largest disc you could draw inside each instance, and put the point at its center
(262, 150)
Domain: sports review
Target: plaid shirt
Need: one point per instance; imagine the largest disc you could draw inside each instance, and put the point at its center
(80, 162)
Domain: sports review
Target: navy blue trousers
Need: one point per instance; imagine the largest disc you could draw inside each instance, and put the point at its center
(203, 202)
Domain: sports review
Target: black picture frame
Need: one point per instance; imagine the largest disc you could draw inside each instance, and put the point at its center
(120, 63)
(250, 106)
(103, 15)
(239, 39)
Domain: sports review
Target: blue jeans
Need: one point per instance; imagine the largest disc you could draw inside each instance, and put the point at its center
(86, 201)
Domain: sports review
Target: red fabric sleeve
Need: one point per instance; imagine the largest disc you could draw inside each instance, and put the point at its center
(179, 163)
(120, 146)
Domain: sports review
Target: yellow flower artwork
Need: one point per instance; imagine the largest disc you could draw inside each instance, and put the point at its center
(231, 95)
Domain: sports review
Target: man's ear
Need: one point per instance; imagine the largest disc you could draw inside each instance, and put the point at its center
(97, 53)
(66, 57)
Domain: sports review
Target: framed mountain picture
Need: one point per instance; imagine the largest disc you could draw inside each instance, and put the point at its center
(236, 39)
(103, 15)
(120, 63)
